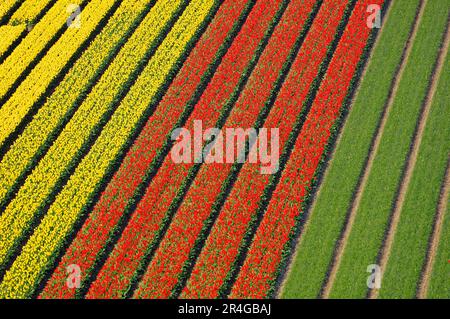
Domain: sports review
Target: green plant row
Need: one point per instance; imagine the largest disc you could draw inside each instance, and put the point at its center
(327, 218)
(438, 287)
(374, 212)
(286, 152)
(409, 250)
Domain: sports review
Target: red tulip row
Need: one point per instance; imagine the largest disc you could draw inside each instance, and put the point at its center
(265, 254)
(174, 251)
(221, 248)
(105, 216)
(142, 230)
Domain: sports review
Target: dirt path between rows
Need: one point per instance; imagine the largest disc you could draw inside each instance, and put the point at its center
(435, 237)
(411, 163)
(373, 151)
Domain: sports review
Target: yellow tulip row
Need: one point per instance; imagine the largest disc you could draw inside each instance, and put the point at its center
(9, 34)
(29, 11)
(74, 84)
(36, 83)
(17, 217)
(35, 41)
(61, 216)
(5, 6)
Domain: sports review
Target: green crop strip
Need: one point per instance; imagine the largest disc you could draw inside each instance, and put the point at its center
(439, 131)
(409, 250)
(373, 215)
(316, 249)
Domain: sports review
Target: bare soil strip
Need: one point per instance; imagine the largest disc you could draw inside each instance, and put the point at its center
(311, 208)
(373, 151)
(411, 162)
(437, 229)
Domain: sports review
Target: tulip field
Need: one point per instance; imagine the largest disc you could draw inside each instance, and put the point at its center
(335, 186)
